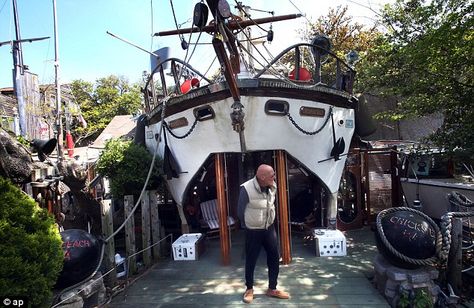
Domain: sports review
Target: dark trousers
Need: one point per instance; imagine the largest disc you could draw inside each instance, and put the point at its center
(254, 240)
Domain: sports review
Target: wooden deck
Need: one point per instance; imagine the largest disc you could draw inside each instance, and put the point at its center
(312, 281)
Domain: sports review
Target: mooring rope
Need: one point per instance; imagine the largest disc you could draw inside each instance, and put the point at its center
(443, 235)
(457, 201)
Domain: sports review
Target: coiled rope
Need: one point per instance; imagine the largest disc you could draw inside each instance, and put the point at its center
(432, 261)
(443, 235)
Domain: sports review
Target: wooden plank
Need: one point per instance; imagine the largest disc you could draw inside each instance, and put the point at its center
(130, 234)
(283, 207)
(107, 230)
(146, 232)
(155, 224)
(222, 209)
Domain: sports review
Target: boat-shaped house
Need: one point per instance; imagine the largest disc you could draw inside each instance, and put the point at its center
(213, 133)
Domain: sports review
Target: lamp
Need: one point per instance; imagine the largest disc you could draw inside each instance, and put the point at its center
(43, 147)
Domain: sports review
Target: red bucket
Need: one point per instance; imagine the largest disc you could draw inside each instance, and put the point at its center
(189, 84)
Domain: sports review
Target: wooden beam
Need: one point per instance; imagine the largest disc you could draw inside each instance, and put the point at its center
(155, 225)
(222, 208)
(231, 25)
(146, 232)
(107, 230)
(283, 206)
(130, 235)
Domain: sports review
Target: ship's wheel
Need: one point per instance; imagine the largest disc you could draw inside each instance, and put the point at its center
(347, 209)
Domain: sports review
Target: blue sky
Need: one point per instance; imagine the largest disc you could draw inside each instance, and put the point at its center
(87, 52)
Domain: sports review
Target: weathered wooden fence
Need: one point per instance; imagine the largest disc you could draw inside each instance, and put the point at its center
(151, 229)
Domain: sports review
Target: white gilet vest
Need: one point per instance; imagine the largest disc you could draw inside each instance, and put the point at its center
(260, 211)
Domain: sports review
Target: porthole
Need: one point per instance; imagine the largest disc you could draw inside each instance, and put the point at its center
(204, 113)
(276, 107)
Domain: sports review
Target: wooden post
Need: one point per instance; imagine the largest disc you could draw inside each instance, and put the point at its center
(365, 176)
(283, 207)
(107, 230)
(395, 176)
(146, 232)
(222, 208)
(454, 274)
(155, 224)
(130, 234)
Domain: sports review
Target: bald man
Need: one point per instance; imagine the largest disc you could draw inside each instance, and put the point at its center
(256, 210)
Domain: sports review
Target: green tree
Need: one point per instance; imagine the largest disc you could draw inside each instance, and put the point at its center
(425, 59)
(126, 164)
(345, 35)
(108, 97)
(31, 256)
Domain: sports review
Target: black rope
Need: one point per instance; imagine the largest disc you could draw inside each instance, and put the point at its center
(240, 7)
(181, 36)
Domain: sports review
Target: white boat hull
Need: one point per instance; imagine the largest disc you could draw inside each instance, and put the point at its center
(262, 132)
(433, 193)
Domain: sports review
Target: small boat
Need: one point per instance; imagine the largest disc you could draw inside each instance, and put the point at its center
(212, 133)
(429, 178)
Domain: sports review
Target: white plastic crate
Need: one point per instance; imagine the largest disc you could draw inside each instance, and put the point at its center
(329, 243)
(188, 247)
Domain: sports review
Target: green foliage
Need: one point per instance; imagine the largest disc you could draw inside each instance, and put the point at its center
(23, 141)
(424, 60)
(419, 298)
(126, 164)
(345, 35)
(109, 97)
(31, 256)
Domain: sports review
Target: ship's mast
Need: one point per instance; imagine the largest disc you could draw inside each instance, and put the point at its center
(19, 70)
(59, 125)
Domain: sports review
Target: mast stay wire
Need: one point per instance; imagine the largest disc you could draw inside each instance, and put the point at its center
(303, 14)
(151, 24)
(152, 164)
(240, 8)
(156, 149)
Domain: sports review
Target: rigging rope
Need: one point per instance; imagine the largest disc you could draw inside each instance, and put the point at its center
(241, 8)
(150, 170)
